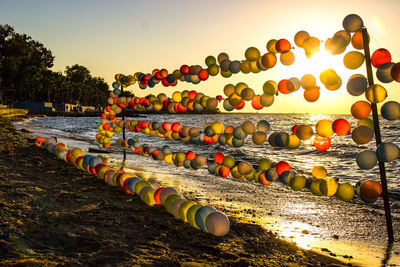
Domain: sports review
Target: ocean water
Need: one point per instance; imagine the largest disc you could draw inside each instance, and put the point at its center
(346, 229)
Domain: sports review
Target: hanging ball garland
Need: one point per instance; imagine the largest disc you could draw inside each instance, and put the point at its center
(322, 143)
(312, 94)
(252, 54)
(370, 190)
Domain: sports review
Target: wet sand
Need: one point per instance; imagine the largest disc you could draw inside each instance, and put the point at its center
(52, 213)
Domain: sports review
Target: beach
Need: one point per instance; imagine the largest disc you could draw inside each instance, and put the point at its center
(54, 214)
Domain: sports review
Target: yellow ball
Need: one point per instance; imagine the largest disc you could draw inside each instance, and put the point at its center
(324, 128)
(328, 187)
(217, 127)
(353, 60)
(375, 93)
(148, 197)
(252, 54)
(319, 172)
(292, 141)
(271, 46)
(345, 192)
(139, 186)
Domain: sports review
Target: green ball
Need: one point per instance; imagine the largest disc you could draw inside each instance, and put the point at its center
(210, 60)
(213, 70)
(345, 192)
(298, 182)
(139, 186)
(315, 187)
(228, 161)
(190, 215)
(183, 209)
(264, 164)
(169, 201)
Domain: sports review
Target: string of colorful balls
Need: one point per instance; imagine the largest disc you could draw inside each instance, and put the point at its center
(206, 218)
(255, 62)
(264, 173)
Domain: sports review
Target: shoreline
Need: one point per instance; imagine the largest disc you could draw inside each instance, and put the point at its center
(59, 215)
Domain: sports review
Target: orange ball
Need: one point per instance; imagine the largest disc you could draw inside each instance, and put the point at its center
(322, 143)
(395, 72)
(370, 189)
(282, 87)
(361, 109)
(357, 40)
(312, 95)
(224, 171)
(256, 102)
(268, 60)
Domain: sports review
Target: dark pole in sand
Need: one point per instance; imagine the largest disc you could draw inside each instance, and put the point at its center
(382, 171)
(123, 128)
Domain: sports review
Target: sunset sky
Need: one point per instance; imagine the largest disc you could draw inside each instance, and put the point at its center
(110, 37)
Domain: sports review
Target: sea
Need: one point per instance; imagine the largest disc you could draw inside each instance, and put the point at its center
(354, 232)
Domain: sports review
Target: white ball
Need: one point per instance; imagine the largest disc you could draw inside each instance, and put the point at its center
(217, 223)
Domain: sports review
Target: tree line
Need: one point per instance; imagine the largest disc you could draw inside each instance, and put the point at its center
(26, 75)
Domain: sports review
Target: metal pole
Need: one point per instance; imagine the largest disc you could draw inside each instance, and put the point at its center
(382, 171)
(123, 128)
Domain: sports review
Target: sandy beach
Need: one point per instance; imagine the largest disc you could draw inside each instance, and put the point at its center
(54, 214)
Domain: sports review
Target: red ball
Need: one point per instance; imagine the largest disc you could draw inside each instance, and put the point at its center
(341, 127)
(282, 166)
(181, 108)
(380, 56)
(224, 171)
(294, 128)
(283, 46)
(176, 127)
(167, 126)
(157, 195)
(192, 94)
(219, 98)
(190, 155)
(184, 69)
(203, 75)
(207, 140)
(219, 158)
(322, 143)
(240, 106)
(165, 82)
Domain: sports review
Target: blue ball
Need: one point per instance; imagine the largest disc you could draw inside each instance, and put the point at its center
(387, 152)
(271, 175)
(132, 183)
(391, 110)
(234, 66)
(115, 85)
(201, 215)
(170, 78)
(366, 159)
(211, 168)
(383, 72)
(86, 159)
(186, 164)
(94, 161)
(286, 176)
(116, 91)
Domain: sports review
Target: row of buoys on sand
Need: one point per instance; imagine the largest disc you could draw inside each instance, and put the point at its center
(206, 218)
(263, 173)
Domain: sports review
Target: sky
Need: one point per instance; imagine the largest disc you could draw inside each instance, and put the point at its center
(122, 36)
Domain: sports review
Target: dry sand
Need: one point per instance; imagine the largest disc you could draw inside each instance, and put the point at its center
(56, 214)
